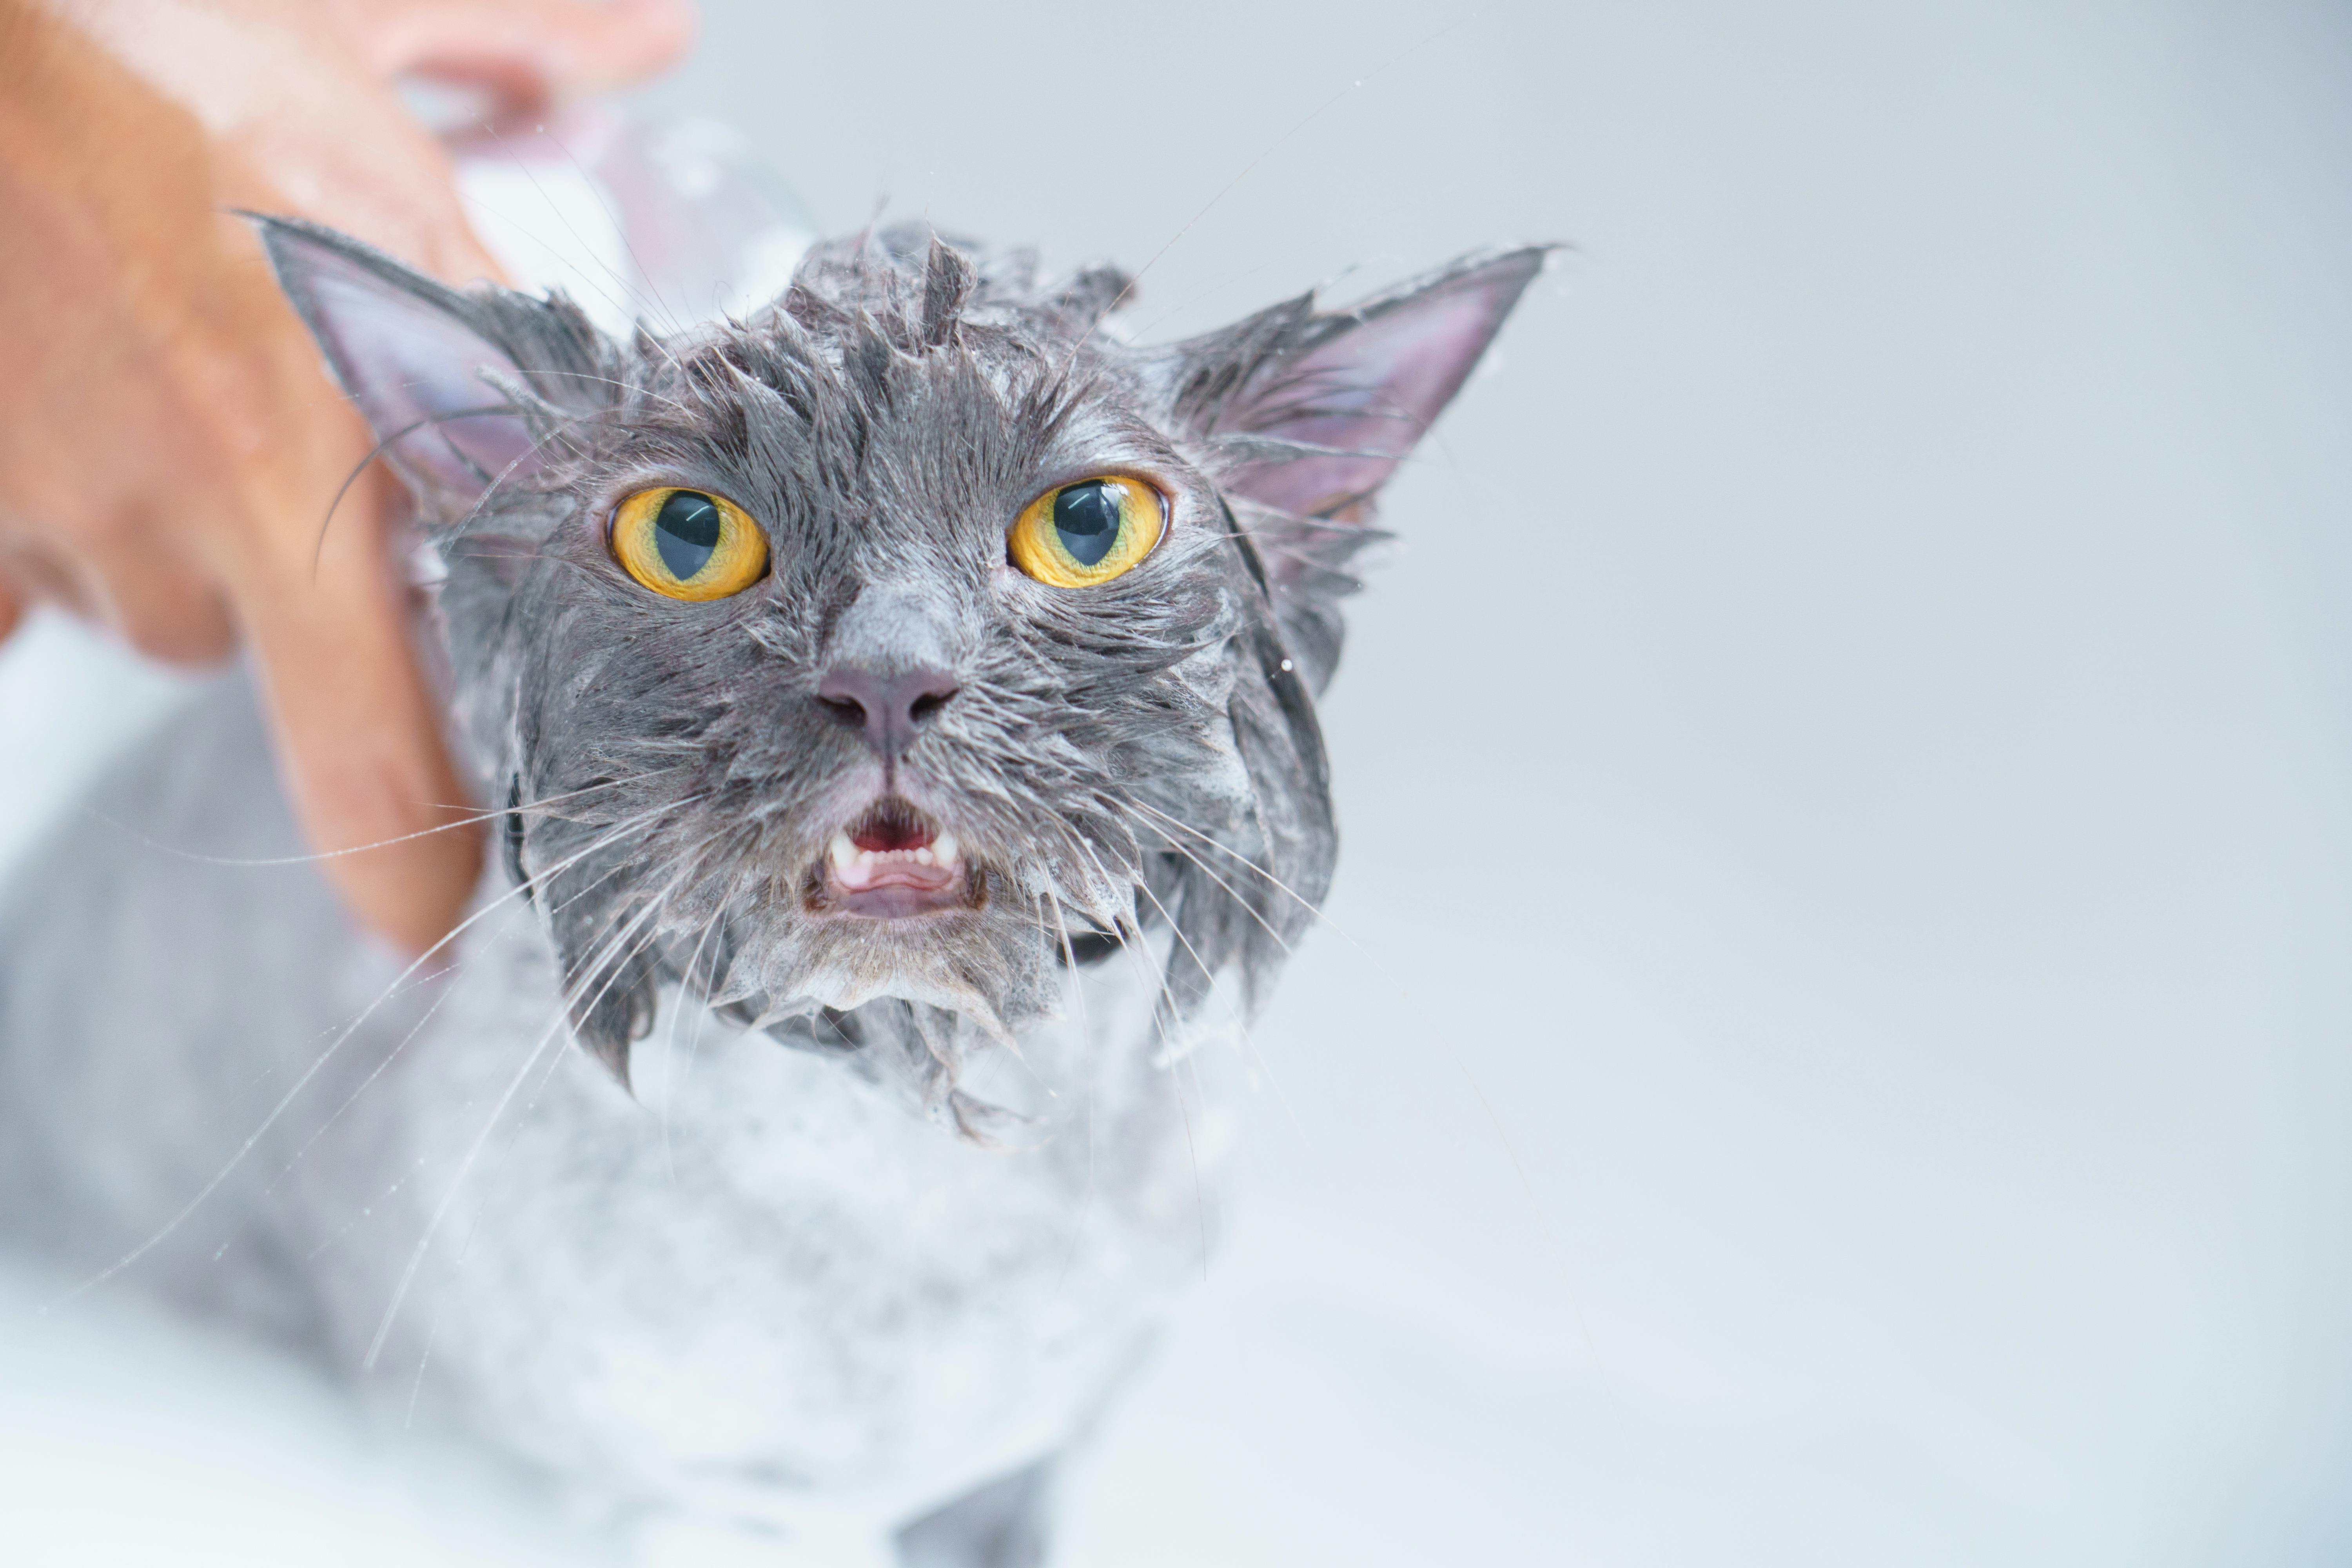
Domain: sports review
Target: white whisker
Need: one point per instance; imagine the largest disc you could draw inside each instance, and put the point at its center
(669, 1040)
(254, 1139)
(1163, 1012)
(458, 1182)
(1187, 827)
(472, 819)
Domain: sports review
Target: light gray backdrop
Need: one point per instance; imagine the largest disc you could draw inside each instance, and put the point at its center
(1838, 1050)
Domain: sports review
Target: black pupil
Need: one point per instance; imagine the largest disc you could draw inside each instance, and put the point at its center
(686, 531)
(1087, 517)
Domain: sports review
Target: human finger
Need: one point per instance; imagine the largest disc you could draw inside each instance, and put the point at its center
(162, 608)
(306, 122)
(165, 611)
(358, 735)
(144, 593)
(36, 579)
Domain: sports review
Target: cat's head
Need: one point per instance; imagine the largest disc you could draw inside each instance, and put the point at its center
(865, 664)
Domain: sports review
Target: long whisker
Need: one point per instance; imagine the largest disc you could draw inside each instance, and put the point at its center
(693, 1040)
(1191, 1043)
(458, 1182)
(1250, 167)
(254, 1139)
(1199, 1087)
(608, 959)
(1239, 1025)
(559, 430)
(605, 957)
(627, 305)
(1444, 1043)
(1163, 1012)
(374, 1073)
(465, 1248)
(669, 1041)
(1187, 827)
(1086, 1068)
(319, 550)
(1246, 907)
(623, 386)
(1177, 931)
(690, 860)
(618, 229)
(382, 1066)
(1206, 207)
(471, 819)
(677, 322)
(327, 522)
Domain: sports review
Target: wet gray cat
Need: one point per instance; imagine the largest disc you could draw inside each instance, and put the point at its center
(900, 711)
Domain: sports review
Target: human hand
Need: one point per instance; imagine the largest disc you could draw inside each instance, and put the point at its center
(169, 442)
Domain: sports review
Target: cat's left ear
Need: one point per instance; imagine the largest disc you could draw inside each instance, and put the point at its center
(462, 389)
(1320, 407)
(1312, 411)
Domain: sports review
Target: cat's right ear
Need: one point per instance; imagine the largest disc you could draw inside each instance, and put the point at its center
(462, 389)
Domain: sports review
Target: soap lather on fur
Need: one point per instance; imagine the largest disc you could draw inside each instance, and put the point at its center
(908, 686)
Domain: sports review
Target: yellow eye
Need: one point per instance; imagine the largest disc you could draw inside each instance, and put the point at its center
(689, 545)
(1088, 532)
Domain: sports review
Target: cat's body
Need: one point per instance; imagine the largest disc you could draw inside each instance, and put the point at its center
(881, 883)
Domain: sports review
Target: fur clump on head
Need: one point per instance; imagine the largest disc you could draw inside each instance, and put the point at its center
(1135, 756)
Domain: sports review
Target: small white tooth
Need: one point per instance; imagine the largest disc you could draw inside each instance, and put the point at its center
(845, 853)
(944, 849)
(922, 857)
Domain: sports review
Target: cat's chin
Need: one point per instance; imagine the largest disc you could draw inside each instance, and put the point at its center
(897, 900)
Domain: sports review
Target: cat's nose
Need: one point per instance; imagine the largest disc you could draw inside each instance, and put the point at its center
(887, 706)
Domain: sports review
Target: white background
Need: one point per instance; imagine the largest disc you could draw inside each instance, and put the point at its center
(1838, 1050)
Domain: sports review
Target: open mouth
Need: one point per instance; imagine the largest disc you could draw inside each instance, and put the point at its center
(894, 861)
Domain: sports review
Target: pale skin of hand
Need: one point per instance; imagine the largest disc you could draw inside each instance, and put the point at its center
(169, 440)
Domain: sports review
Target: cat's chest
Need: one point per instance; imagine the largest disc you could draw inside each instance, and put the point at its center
(760, 1265)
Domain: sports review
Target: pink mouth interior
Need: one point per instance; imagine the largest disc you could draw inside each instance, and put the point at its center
(891, 879)
(892, 825)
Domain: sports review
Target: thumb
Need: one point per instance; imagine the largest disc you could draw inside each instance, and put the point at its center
(359, 742)
(525, 49)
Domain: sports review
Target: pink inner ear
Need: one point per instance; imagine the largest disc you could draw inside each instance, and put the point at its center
(409, 364)
(1370, 391)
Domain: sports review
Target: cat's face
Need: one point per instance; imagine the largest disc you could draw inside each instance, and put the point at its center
(866, 664)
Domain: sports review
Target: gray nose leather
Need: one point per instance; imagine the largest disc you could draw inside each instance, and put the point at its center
(888, 707)
(890, 671)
